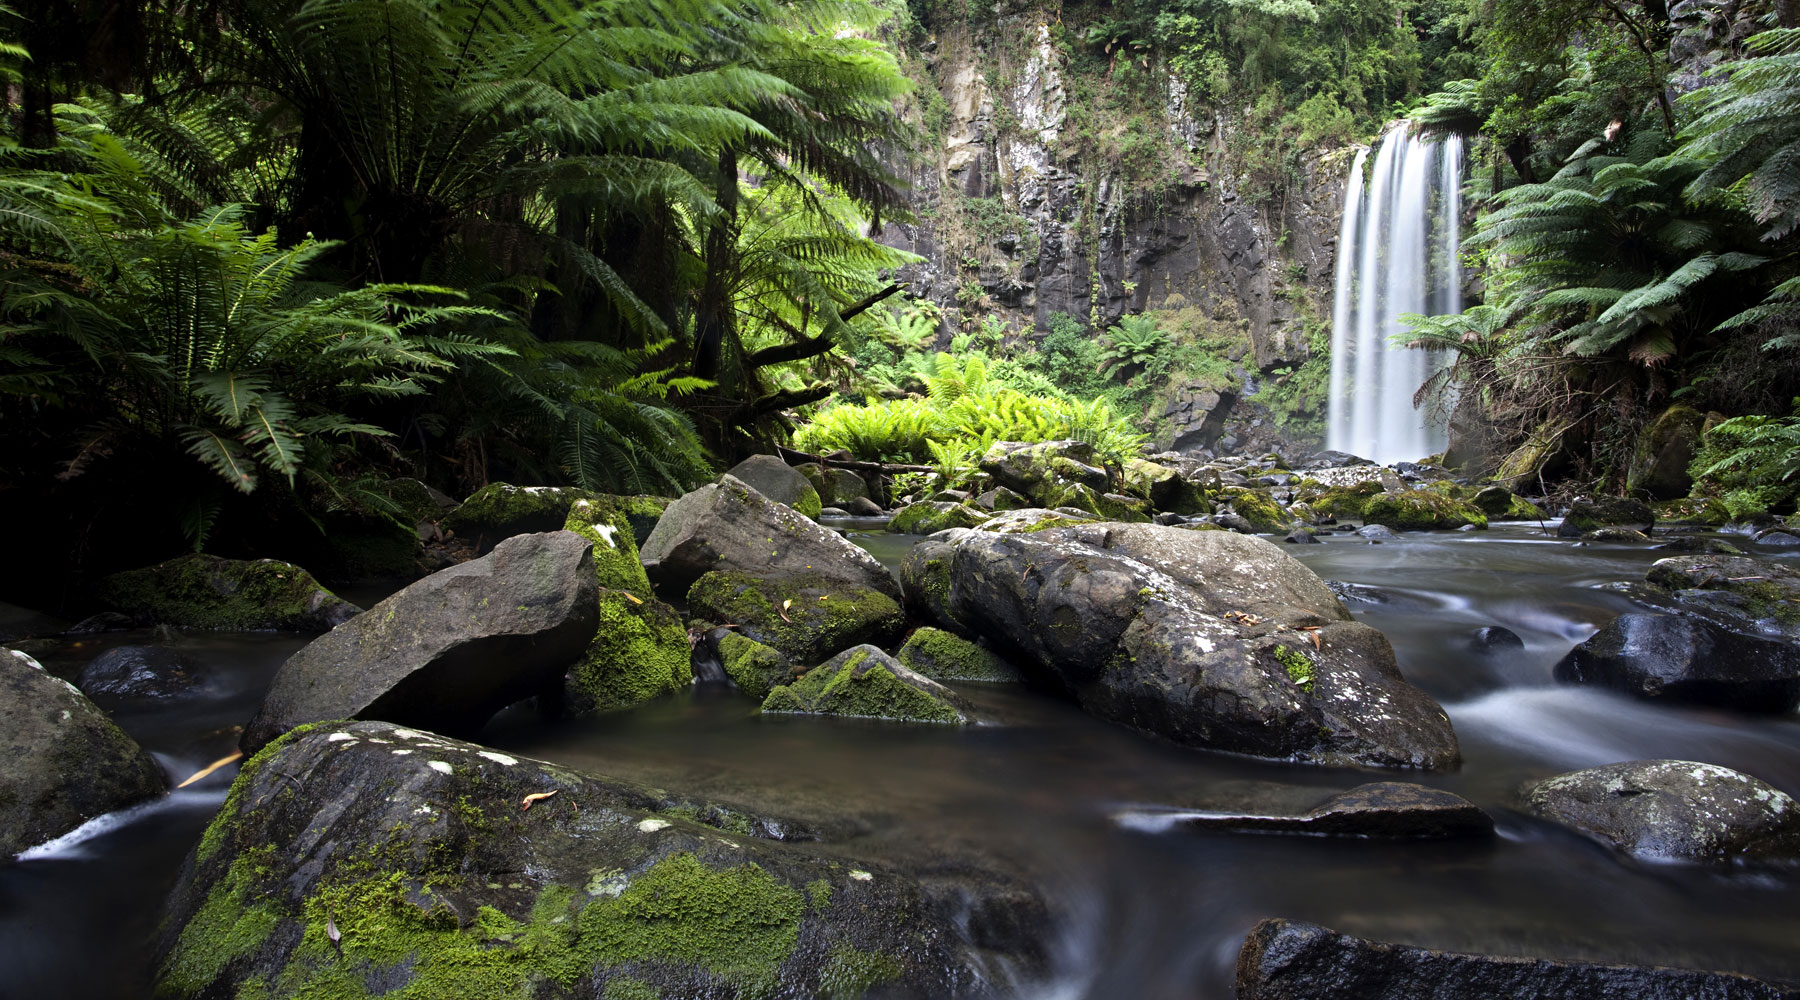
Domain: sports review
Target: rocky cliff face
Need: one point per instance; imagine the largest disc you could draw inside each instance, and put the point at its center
(1021, 218)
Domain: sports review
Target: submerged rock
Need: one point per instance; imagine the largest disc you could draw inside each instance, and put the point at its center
(865, 683)
(1381, 809)
(207, 592)
(138, 672)
(450, 650)
(1208, 639)
(946, 656)
(780, 482)
(1290, 960)
(729, 526)
(1673, 810)
(64, 761)
(1687, 660)
(1493, 638)
(805, 618)
(366, 853)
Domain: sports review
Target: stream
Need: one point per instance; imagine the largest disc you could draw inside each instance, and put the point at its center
(1042, 792)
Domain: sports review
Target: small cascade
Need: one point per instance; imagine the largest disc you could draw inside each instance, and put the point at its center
(1396, 253)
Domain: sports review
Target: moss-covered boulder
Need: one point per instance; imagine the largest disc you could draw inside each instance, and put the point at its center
(1028, 519)
(1502, 504)
(1421, 510)
(946, 656)
(639, 651)
(1108, 506)
(780, 482)
(1001, 499)
(499, 511)
(1164, 487)
(1344, 501)
(1042, 470)
(64, 763)
(1584, 516)
(844, 486)
(365, 859)
(1710, 511)
(416, 501)
(815, 474)
(752, 666)
(1763, 592)
(604, 522)
(931, 516)
(866, 683)
(1659, 464)
(805, 618)
(1257, 508)
(207, 592)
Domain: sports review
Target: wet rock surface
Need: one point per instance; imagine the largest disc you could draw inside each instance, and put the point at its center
(207, 592)
(62, 761)
(1760, 592)
(1584, 516)
(1687, 660)
(139, 673)
(1291, 960)
(864, 682)
(363, 853)
(804, 618)
(1207, 639)
(450, 650)
(1673, 810)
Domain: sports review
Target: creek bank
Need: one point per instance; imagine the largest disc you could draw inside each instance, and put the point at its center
(1291, 960)
(65, 762)
(363, 853)
(1673, 810)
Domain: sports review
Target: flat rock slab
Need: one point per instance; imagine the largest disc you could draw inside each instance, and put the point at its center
(448, 869)
(1380, 809)
(207, 592)
(1289, 960)
(1673, 810)
(1676, 658)
(450, 650)
(62, 761)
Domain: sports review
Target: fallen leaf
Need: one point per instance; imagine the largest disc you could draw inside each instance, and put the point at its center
(210, 768)
(525, 806)
(332, 933)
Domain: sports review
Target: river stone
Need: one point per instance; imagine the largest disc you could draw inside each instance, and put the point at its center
(1290, 960)
(865, 683)
(729, 526)
(1778, 538)
(64, 761)
(1379, 809)
(1687, 660)
(1615, 535)
(1376, 532)
(946, 656)
(450, 650)
(1029, 519)
(1164, 487)
(753, 667)
(1766, 592)
(1002, 499)
(207, 592)
(1697, 543)
(1422, 510)
(138, 672)
(1334, 460)
(1673, 810)
(805, 618)
(1044, 470)
(1258, 509)
(1599, 512)
(1659, 464)
(1492, 638)
(1205, 638)
(780, 482)
(420, 851)
(502, 510)
(845, 485)
(928, 517)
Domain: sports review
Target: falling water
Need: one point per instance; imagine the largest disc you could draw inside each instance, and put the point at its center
(1396, 254)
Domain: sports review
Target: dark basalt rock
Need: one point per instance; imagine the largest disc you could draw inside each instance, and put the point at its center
(207, 592)
(1688, 660)
(1205, 638)
(138, 672)
(1381, 809)
(1334, 460)
(1290, 960)
(1492, 638)
(62, 761)
(1599, 512)
(1673, 810)
(421, 853)
(450, 650)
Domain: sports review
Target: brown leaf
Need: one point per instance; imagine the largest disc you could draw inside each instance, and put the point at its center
(525, 806)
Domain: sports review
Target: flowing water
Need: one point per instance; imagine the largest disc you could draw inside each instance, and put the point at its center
(1039, 794)
(1397, 254)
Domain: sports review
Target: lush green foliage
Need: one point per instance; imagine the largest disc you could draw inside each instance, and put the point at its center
(1752, 462)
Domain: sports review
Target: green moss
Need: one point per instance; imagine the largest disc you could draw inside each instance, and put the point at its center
(207, 592)
(639, 652)
(820, 483)
(1344, 501)
(627, 988)
(849, 973)
(873, 692)
(805, 618)
(931, 516)
(1695, 510)
(606, 524)
(1111, 507)
(1257, 507)
(216, 832)
(1420, 510)
(818, 892)
(226, 927)
(944, 656)
(1298, 665)
(754, 667)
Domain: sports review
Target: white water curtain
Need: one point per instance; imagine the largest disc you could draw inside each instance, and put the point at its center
(1396, 253)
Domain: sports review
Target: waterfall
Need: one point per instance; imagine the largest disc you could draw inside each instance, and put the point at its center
(1396, 253)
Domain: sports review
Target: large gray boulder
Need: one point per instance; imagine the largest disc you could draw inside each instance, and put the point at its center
(1762, 593)
(728, 525)
(1290, 960)
(1687, 660)
(1044, 470)
(1673, 810)
(207, 592)
(779, 481)
(450, 650)
(1208, 639)
(62, 761)
(367, 857)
